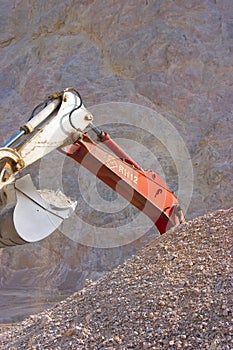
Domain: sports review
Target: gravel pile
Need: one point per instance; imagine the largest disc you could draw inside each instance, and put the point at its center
(175, 294)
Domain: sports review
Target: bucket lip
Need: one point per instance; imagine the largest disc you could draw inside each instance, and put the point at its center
(49, 196)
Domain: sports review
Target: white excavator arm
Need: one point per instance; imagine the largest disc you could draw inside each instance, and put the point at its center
(27, 216)
(51, 128)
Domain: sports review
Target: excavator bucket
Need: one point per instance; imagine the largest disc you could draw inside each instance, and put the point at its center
(32, 215)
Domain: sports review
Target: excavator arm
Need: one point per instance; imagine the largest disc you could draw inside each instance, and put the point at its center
(62, 124)
(63, 114)
(146, 190)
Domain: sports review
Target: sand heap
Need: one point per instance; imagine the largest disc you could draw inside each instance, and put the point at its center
(175, 294)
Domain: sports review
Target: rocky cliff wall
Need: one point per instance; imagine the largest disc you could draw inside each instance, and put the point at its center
(173, 57)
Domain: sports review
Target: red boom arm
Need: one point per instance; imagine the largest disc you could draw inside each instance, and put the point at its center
(146, 190)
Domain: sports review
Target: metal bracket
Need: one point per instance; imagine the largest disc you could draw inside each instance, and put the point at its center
(10, 163)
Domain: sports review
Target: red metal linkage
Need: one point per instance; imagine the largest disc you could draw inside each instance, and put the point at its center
(146, 190)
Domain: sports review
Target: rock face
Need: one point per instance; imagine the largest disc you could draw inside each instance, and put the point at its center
(173, 57)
